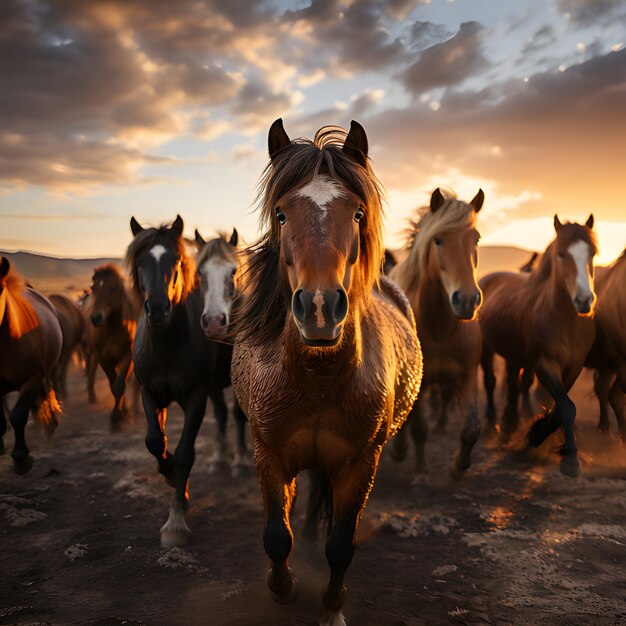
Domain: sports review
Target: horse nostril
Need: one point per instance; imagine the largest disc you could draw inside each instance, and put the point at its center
(478, 299)
(340, 309)
(222, 320)
(204, 321)
(297, 306)
(456, 299)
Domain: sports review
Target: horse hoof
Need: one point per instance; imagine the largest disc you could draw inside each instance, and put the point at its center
(457, 472)
(290, 595)
(22, 465)
(333, 618)
(570, 466)
(174, 538)
(536, 436)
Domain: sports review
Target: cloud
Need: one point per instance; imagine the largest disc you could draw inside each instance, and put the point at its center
(586, 12)
(448, 63)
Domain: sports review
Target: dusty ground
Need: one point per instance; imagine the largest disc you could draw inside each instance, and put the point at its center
(515, 543)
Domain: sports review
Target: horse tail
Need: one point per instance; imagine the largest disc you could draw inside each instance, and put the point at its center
(49, 408)
(320, 505)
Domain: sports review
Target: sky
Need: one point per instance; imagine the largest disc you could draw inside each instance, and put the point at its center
(151, 108)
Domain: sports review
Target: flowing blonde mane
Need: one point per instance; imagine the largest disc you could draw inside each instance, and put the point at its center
(14, 307)
(452, 215)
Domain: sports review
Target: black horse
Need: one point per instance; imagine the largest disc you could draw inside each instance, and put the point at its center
(174, 360)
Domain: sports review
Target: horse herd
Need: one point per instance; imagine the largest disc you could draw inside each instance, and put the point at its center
(321, 346)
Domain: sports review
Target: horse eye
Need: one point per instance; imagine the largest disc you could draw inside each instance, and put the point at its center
(234, 272)
(560, 255)
(282, 218)
(438, 241)
(358, 216)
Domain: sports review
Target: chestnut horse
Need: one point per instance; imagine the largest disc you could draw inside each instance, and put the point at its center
(113, 318)
(74, 330)
(326, 361)
(218, 263)
(174, 359)
(543, 322)
(438, 276)
(30, 344)
(608, 355)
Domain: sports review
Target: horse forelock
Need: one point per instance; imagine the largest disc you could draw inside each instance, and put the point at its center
(14, 307)
(144, 241)
(218, 248)
(453, 215)
(297, 165)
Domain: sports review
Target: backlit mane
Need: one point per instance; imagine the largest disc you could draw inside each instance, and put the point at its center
(147, 239)
(266, 303)
(109, 269)
(216, 248)
(14, 307)
(452, 215)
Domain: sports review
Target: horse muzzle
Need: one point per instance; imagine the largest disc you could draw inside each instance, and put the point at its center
(214, 326)
(320, 315)
(97, 319)
(158, 313)
(464, 306)
(584, 304)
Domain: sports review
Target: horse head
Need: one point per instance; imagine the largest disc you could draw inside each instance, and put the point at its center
(107, 293)
(217, 264)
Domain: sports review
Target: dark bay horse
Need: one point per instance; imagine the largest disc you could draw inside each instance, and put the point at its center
(608, 354)
(30, 344)
(542, 322)
(174, 359)
(326, 361)
(438, 276)
(74, 329)
(113, 316)
(218, 268)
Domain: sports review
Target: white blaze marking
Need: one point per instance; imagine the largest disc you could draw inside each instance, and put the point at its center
(318, 301)
(158, 251)
(580, 254)
(217, 273)
(322, 190)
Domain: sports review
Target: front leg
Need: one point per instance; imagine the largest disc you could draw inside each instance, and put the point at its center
(92, 366)
(241, 462)
(118, 388)
(350, 489)
(468, 402)
(156, 441)
(617, 397)
(220, 411)
(19, 416)
(510, 419)
(175, 531)
(602, 381)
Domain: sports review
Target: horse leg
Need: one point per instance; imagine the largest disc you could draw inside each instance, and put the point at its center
(220, 411)
(319, 487)
(602, 381)
(19, 416)
(350, 489)
(617, 398)
(118, 388)
(3, 426)
(468, 400)
(446, 394)
(510, 419)
(526, 382)
(419, 433)
(175, 531)
(241, 462)
(400, 445)
(563, 413)
(489, 380)
(92, 366)
(156, 441)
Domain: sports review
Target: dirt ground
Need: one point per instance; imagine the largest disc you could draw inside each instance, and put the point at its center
(514, 543)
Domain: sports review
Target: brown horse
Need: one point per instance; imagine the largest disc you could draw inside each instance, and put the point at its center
(543, 322)
(326, 361)
(608, 355)
(74, 330)
(30, 344)
(113, 316)
(439, 277)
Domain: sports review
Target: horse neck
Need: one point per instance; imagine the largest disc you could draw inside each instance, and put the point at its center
(549, 293)
(433, 311)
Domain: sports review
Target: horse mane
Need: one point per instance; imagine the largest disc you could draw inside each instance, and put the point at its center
(147, 239)
(17, 310)
(452, 215)
(265, 305)
(218, 247)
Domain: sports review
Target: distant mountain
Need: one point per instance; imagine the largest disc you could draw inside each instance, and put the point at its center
(50, 274)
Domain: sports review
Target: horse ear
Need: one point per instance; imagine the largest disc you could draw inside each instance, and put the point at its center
(177, 226)
(436, 200)
(234, 238)
(478, 200)
(5, 266)
(199, 240)
(135, 226)
(589, 222)
(355, 145)
(277, 138)
(557, 223)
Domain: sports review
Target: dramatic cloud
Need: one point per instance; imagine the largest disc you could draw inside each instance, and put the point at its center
(590, 11)
(448, 63)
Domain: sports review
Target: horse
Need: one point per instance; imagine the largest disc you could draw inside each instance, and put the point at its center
(531, 264)
(174, 359)
(608, 354)
(113, 321)
(543, 322)
(74, 329)
(218, 263)
(326, 362)
(30, 345)
(389, 261)
(438, 276)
